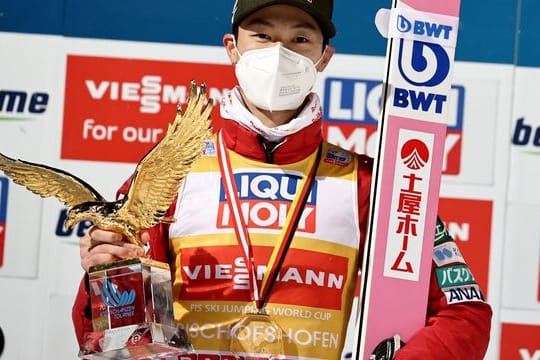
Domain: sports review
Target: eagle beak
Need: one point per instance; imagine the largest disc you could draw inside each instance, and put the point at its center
(70, 221)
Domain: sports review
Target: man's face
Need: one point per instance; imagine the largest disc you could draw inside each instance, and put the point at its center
(288, 25)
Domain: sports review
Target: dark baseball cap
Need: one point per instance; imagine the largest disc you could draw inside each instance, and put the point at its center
(320, 10)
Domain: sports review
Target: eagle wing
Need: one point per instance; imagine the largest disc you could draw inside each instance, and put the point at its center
(160, 173)
(47, 181)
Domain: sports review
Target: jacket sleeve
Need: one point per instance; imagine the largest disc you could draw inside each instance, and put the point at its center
(158, 249)
(458, 318)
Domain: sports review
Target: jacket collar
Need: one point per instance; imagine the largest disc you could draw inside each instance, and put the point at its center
(293, 148)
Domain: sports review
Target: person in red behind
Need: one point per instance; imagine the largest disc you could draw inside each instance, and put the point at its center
(240, 203)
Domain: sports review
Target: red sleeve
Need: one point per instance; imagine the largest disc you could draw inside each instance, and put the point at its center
(458, 319)
(158, 250)
(80, 312)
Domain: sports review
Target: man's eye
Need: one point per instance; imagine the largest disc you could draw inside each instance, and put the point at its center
(262, 36)
(301, 39)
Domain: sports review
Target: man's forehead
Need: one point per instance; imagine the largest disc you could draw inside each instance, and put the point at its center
(274, 15)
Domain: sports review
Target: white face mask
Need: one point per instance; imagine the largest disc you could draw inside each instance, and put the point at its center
(275, 78)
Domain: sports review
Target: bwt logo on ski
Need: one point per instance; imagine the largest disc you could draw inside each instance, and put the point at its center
(20, 103)
(352, 109)
(418, 72)
(265, 200)
(526, 135)
(426, 28)
(4, 182)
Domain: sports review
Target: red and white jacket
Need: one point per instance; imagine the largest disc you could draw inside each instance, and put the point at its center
(312, 298)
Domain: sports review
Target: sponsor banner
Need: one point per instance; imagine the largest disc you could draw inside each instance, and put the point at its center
(525, 137)
(521, 276)
(307, 278)
(116, 109)
(520, 342)
(469, 223)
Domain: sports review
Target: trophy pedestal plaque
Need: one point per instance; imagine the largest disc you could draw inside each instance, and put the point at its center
(132, 313)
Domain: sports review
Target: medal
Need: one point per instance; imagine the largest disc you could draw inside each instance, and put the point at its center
(257, 333)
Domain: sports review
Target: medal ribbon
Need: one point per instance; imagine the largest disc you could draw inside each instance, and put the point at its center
(287, 232)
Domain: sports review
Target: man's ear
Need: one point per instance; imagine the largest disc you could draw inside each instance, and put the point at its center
(228, 42)
(327, 55)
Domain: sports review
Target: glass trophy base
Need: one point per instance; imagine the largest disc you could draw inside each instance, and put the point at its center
(142, 341)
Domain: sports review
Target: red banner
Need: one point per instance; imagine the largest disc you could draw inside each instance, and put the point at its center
(117, 109)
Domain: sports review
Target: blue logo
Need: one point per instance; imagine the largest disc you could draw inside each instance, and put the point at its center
(423, 28)
(403, 25)
(419, 63)
(21, 102)
(447, 254)
(273, 187)
(525, 134)
(113, 297)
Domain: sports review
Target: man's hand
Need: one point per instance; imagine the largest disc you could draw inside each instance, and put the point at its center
(101, 247)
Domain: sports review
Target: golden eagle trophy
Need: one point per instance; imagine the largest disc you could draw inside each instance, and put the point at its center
(131, 299)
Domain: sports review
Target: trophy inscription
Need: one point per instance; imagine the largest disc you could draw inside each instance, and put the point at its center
(131, 299)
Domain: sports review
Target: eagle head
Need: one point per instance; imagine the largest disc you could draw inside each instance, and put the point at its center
(72, 218)
(81, 212)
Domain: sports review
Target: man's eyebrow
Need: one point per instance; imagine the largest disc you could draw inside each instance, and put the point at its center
(259, 21)
(266, 22)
